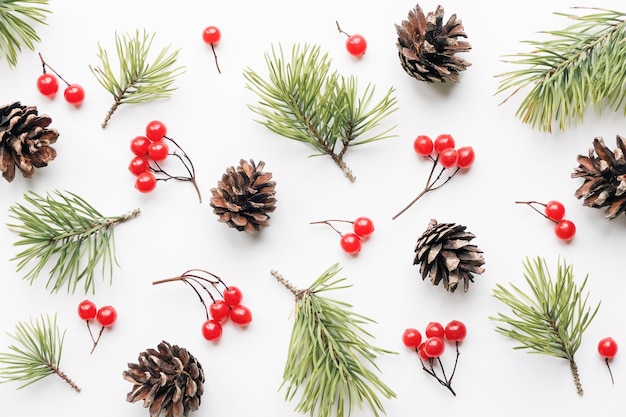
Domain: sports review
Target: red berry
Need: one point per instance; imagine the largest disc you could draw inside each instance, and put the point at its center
(350, 243)
(554, 210)
(155, 130)
(232, 295)
(211, 35)
(412, 338)
(422, 354)
(47, 84)
(423, 145)
(106, 316)
(145, 182)
(139, 145)
(466, 157)
(434, 347)
(356, 45)
(448, 157)
(607, 347)
(87, 310)
(138, 165)
(158, 151)
(434, 329)
(219, 310)
(455, 331)
(363, 227)
(565, 230)
(240, 315)
(74, 94)
(442, 142)
(212, 330)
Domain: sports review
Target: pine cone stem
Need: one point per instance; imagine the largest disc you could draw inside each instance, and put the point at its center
(63, 376)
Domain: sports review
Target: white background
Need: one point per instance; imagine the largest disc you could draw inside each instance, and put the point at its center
(208, 116)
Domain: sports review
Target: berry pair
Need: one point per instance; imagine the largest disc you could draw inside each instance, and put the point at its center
(433, 346)
(555, 212)
(607, 348)
(362, 228)
(211, 36)
(355, 44)
(48, 85)
(106, 316)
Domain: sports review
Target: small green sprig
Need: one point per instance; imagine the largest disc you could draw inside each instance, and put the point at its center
(36, 354)
(329, 354)
(580, 66)
(139, 81)
(552, 317)
(16, 30)
(304, 100)
(63, 229)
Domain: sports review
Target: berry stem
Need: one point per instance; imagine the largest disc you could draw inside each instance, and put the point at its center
(606, 360)
(445, 382)
(328, 222)
(186, 161)
(530, 204)
(90, 332)
(45, 64)
(340, 30)
(95, 342)
(63, 376)
(215, 56)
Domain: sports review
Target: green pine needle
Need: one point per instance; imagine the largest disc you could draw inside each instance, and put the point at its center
(552, 317)
(16, 30)
(304, 100)
(136, 80)
(63, 230)
(37, 353)
(330, 361)
(581, 66)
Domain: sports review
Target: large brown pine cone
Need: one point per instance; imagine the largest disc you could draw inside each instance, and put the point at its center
(25, 140)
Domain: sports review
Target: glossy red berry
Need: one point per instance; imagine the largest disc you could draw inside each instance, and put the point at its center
(554, 210)
(48, 84)
(138, 165)
(363, 227)
(212, 330)
(87, 310)
(442, 142)
(240, 315)
(466, 157)
(448, 158)
(565, 230)
(145, 182)
(350, 243)
(434, 347)
(412, 338)
(139, 145)
(356, 45)
(434, 329)
(219, 310)
(455, 331)
(232, 295)
(155, 130)
(158, 151)
(74, 94)
(211, 35)
(422, 354)
(607, 347)
(423, 145)
(106, 316)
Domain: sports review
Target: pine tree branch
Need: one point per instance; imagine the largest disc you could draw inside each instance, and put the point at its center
(16, 30)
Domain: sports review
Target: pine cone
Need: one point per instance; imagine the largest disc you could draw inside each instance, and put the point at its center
(427, 48)
(24, 140)
(168, 380)
(604, 177)
(244, 196)
(444, 253)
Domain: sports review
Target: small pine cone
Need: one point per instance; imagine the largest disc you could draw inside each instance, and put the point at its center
(604, 174)
(445, 254)
(427, 47)
(244, 197)
(24, 140)
(168, 380)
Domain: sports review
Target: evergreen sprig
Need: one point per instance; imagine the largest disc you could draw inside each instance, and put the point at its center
(63, 229)
(552, 317)
(580, 66)
(36, 354)
(16, 30)
(137, 80)
(304, 100)
(330, 360)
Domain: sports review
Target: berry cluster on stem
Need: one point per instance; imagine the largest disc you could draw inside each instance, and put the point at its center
(362, 228)
(555, 212)
(106, 316)
(48, 85)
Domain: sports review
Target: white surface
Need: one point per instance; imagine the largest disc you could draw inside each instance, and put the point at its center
(208, 116)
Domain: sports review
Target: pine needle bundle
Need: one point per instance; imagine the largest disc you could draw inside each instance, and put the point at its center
(16, 30)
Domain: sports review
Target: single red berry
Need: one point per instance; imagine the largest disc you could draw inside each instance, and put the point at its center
(106, 316)
(363, 227)
(158, 151)
(211, 35)
(155, 130)
(356, 45)
(212, 330)
(422, 354)
(350, 243)
(554, 210)
(607, 347)
(412, 338)
(442, 142)
(87, 310)
(466, 157)
(448, 157)
(138, 165)
(240, 315)
(565, 230)
(232, 295)
(219, 310)
(455, 331)
(434, 329)
(145, 182)
(423, 145)
(47, 84)
(139, 145)
(74, 94)
(434, 347)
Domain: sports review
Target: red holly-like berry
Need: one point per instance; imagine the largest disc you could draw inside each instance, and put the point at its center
(448, 157)
(48, 84)
(423, 145)
(356, 45)
(422, 354)
(554, 210)
(87, 310)
(74, 94)
(443, 141)
(219, 310)
(466, 157)
(455, 331)
(363, 227)
(138, 165)
(212, 330)
(434, 347)
(412, 338)
(211, 35)
(155, 130)
(434, 329)
(565, 230)
(350, 243)
(145, 182)
(607, 347)
(240, 315)
(106, 316)
(158, 151)
(232, 295)
(139, 145)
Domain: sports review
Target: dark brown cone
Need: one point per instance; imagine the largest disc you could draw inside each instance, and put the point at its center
(445, 254)
(168, 379)
(604, 174)
(244, 197)
(427, 47)
(24, 140)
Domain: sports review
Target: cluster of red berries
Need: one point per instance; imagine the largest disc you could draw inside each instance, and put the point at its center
(607, 348)
(211, 35)
(48, 85)
(362, 228)
(106, 316)
(555, 212)
(355, 44)
(433, 347)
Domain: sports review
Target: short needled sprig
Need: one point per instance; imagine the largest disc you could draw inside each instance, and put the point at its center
(16, 26)
(304, 100)
(137, 80)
